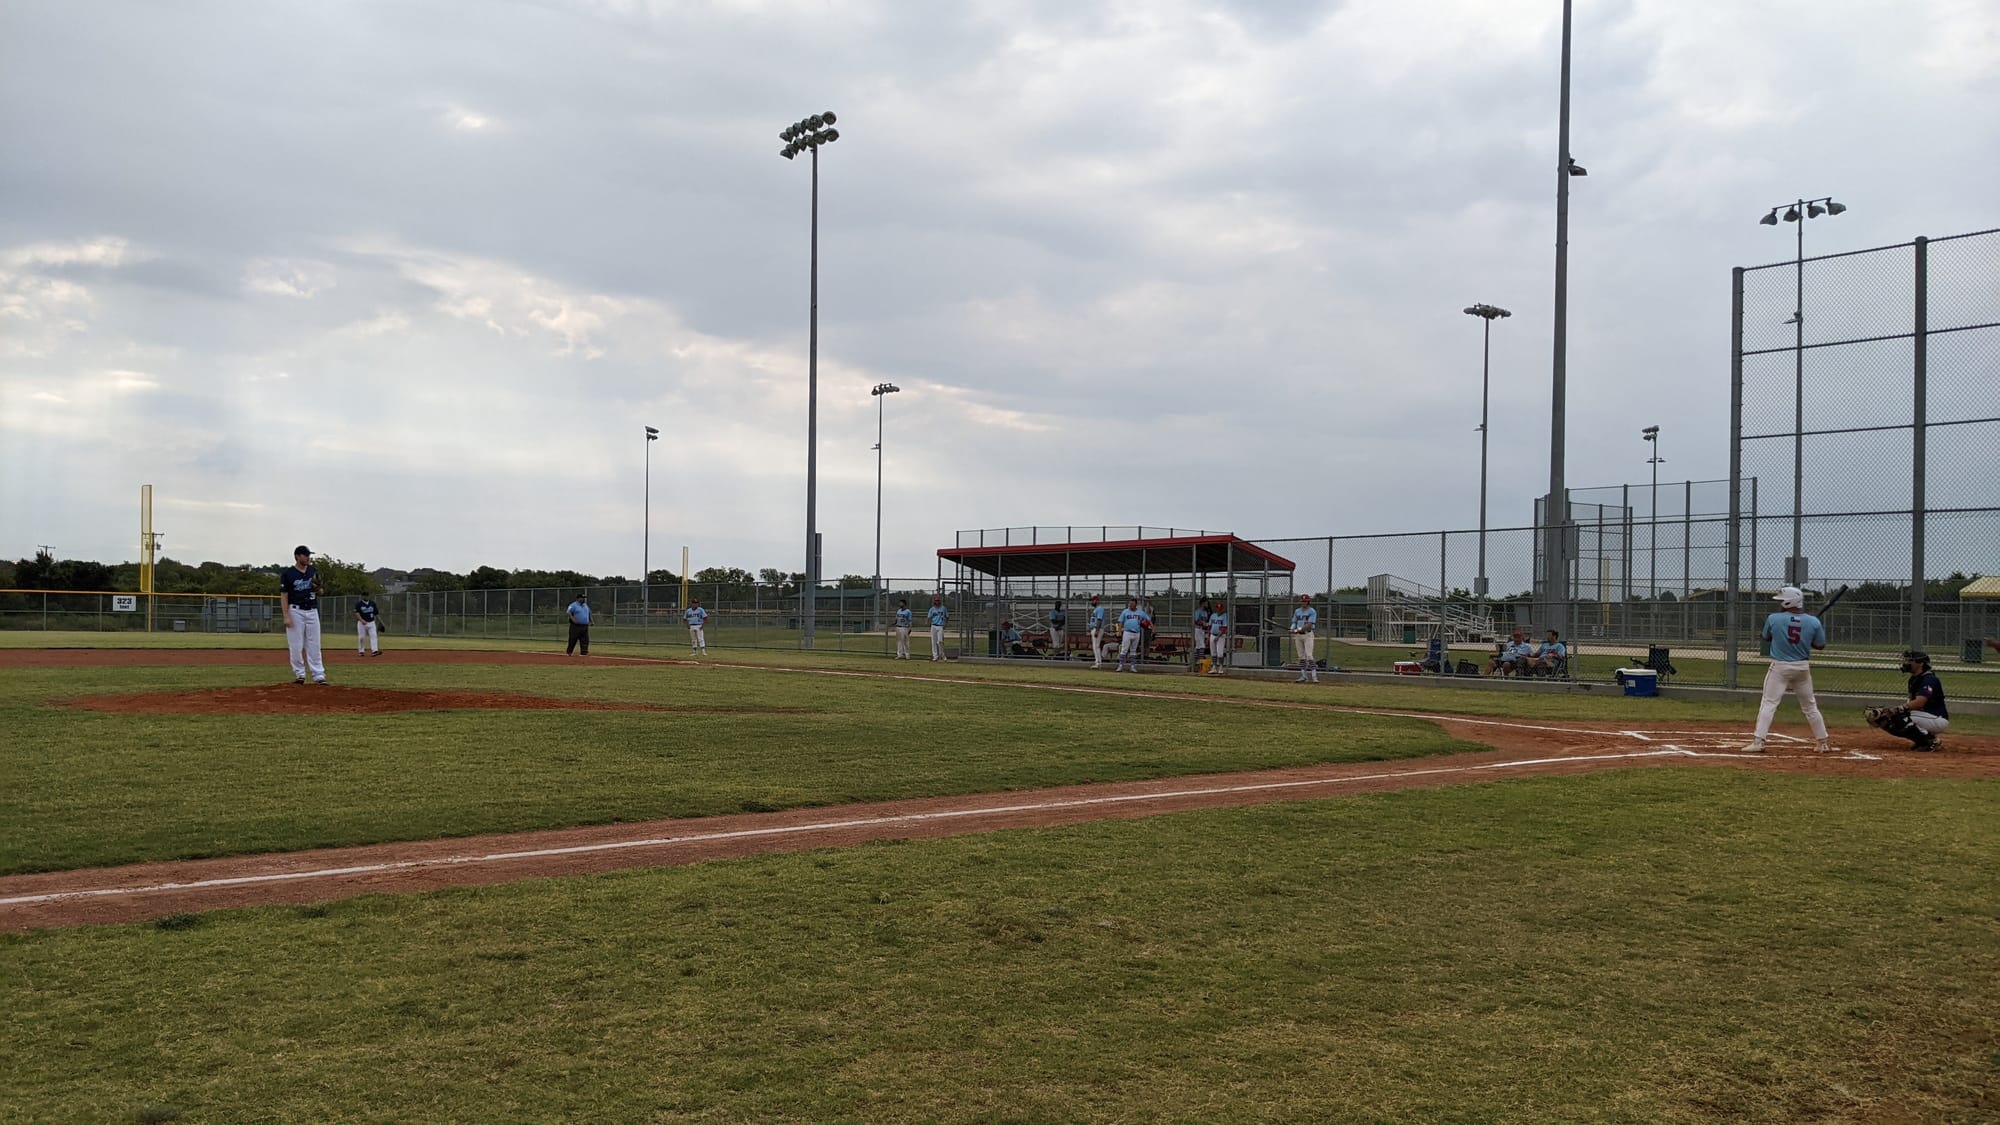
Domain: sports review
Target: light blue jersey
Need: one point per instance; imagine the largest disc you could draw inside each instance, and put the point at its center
(1201, 621)
(1131, 620)
(1218, 623)
(1793, 636)
(695, 615)
(1098, 616)
(938, 615)
(1305, 619)
(904, 617)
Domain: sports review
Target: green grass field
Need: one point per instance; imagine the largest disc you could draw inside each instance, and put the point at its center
(1658, 945)
(1666, 944)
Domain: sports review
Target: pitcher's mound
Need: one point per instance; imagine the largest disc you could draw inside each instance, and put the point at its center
(325, 699)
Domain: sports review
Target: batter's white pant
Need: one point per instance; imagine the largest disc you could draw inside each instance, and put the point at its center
(364, 637)
(302, 641)
(698, 638)
(1129, 645)
(937, 642)
(1097, 648)
(902, 642)
(1929, 723)
(1302, 646)
(1794, 676)
(1218, 647)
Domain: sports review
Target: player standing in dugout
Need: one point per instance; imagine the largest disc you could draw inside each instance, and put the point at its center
(1792, 635)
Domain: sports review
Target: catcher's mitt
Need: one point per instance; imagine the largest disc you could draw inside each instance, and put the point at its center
(1883, 716)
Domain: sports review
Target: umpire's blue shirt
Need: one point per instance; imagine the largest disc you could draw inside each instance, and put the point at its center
(579, 613)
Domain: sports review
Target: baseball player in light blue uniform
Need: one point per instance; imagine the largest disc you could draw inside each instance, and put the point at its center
(1792, 634)
(938, 616)
(301, 586)
(1305, 620)
(1099, 624)
(1218, 639)
(1132, 638)
(1058, 632)
(697, 619)
(904, 618)
(366, 638)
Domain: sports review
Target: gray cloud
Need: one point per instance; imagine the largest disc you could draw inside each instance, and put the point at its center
(406, 283)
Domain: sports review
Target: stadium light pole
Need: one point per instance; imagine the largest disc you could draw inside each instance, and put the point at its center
(1555, 560)
(807, 136)
(1652, 436)
(646, 552)
(1796, 213)
(1488, 313)
(881, 391)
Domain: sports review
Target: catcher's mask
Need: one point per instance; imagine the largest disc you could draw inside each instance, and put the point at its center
(1916, 661)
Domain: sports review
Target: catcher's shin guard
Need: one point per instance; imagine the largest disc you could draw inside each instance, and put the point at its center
(1900, 725)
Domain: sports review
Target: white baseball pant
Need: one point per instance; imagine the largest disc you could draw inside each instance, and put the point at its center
(1128, 646)
(937, 642)
(1794, 676)
(364, 637)
(1302, 645)
(902, 642)
(1058, 643)
(1929, 723)
(302, 641)
(698, 638)
(1097, 648)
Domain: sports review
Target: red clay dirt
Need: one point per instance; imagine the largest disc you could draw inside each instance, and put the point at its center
(275, 657)
(124, 894)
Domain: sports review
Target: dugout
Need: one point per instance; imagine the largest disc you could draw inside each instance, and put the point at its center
(1022, 582)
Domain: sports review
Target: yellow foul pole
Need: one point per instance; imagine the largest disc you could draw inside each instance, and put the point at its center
(146, 550)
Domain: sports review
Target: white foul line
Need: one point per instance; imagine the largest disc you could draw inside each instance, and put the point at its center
(820, 826)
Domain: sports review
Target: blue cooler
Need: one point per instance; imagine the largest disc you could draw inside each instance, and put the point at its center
(1639, 681)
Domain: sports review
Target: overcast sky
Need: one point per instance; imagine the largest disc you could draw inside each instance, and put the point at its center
(404, 281)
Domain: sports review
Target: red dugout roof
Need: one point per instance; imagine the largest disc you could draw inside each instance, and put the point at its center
(1192, 554)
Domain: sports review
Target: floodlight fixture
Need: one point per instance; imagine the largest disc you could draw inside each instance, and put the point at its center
(808, 135)
(1833, 208)
(1798, 212)
(1770, 220)
(1489, 312)
(1576, 169)
(1791, 214)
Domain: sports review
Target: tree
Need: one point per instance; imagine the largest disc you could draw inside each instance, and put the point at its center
(486, 578)
(437, 581)
(343, 578)
(856, 582)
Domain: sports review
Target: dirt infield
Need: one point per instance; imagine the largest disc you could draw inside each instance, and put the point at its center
(332, 699)
(125, 894)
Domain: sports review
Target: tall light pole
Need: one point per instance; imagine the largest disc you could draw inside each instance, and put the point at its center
(807, 136)
(646, 553)
(1556, 555)
(1488, 313)
(1798, 212)
(881, 391)
(1652, 436)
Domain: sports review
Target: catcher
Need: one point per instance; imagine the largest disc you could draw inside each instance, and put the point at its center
(1924, 716)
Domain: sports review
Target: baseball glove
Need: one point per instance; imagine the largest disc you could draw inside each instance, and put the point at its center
(1881, 717)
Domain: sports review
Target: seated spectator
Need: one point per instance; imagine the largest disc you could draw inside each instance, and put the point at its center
(1548, 658)
(1010, 641)
(1508, 661)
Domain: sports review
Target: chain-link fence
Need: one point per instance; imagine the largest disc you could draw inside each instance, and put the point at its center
(92, 612)
(1868, 383)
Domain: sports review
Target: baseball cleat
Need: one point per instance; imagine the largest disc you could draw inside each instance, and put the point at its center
(1755, 747)
(299, 680)
(1928, 745)
(1822, 747)
(319, 683)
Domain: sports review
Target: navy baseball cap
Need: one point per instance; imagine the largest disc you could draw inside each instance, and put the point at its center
(302, 549)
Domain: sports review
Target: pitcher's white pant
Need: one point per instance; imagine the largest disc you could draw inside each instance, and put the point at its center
(302, 641)
(902, 642)
(1794, 676)
(698, 638)
(364, 637)
(937, 642)
(1129, 645)
(1097, 648)
(1302, 646)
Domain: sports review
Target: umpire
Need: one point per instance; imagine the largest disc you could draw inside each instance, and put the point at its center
(579, 625)
(1924, 716)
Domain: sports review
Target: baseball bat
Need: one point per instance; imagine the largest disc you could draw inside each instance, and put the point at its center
(1832, 601)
